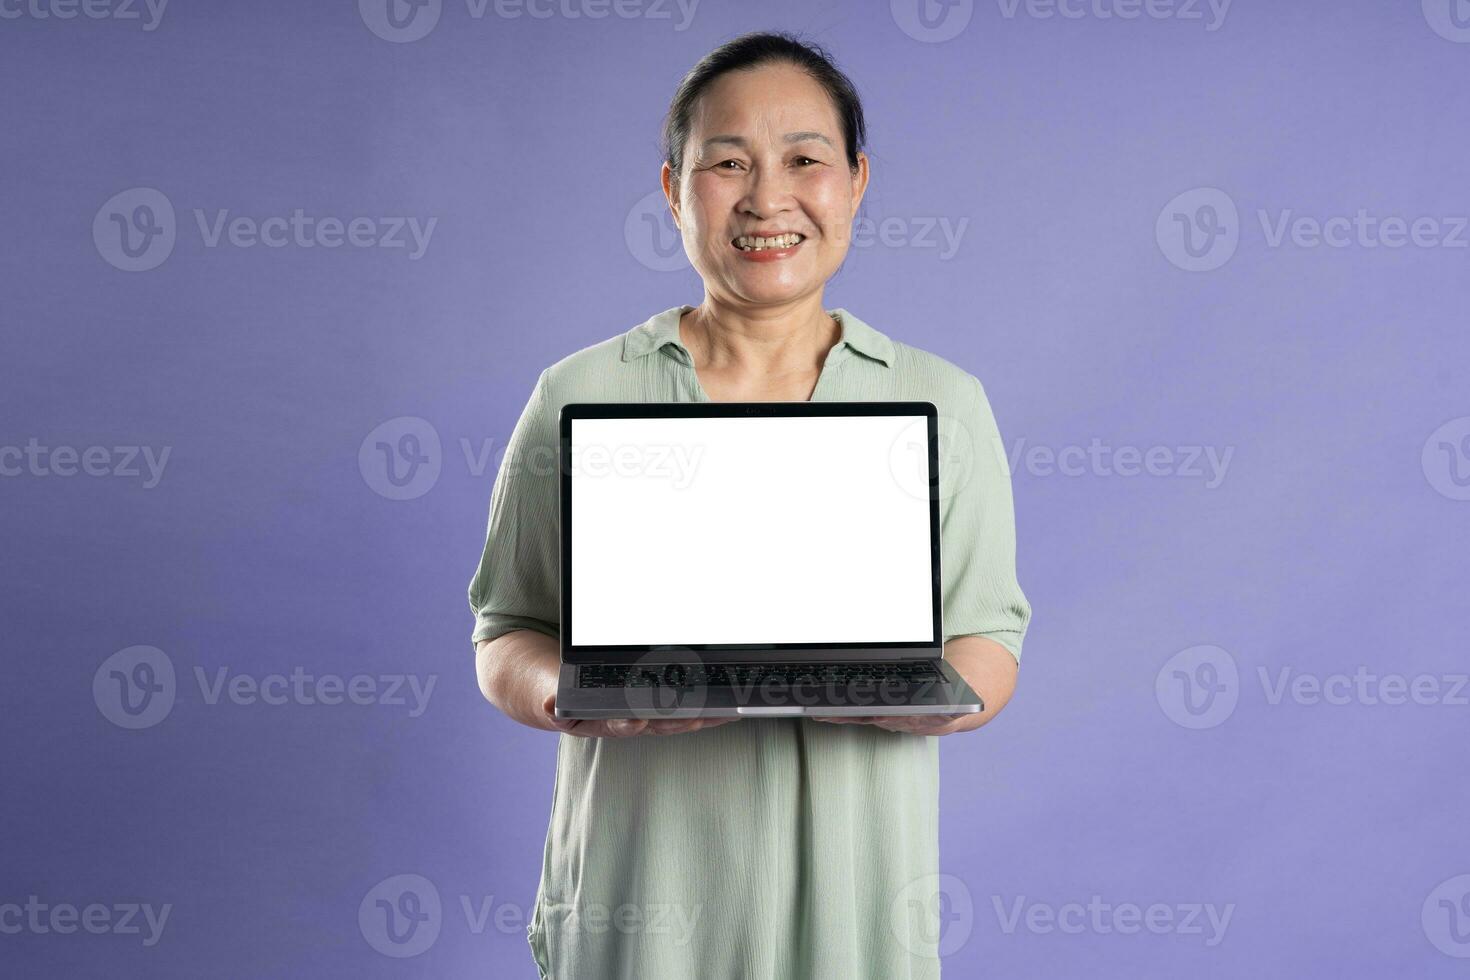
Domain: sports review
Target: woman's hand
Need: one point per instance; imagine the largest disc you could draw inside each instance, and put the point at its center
(985, 665)
(519, 673)
(909, 724)
(625, 727)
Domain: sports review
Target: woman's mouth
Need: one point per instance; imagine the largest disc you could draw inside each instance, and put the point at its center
(776, 246)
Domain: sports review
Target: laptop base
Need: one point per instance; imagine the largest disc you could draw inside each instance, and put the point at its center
(737, 695)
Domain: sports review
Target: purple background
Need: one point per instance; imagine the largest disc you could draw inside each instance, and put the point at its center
(265, 548)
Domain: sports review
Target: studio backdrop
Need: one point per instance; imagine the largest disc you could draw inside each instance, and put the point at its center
(278, 279)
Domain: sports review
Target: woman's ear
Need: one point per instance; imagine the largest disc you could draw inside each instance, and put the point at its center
(671, 191)
(859, 182)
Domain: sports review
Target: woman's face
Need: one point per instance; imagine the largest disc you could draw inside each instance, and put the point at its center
(765, 157)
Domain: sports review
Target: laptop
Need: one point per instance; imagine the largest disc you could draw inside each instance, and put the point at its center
(762, 559)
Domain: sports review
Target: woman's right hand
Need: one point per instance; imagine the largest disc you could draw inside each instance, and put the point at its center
(624, 727)
(519, 672)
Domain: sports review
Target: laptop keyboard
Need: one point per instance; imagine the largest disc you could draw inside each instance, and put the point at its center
(730, 675)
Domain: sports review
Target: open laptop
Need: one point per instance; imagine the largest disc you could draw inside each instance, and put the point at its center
(761, 559)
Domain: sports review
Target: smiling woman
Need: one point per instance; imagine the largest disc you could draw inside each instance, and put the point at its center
(764, 175)
(792, 847)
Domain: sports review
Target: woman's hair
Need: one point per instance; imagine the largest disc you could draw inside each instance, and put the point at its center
(750, 51)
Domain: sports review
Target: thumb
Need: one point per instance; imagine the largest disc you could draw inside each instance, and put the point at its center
(548, 710)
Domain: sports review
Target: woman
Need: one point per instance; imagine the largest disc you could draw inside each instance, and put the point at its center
(768, 848)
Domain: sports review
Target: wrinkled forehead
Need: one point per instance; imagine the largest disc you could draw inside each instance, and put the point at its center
(764, 105)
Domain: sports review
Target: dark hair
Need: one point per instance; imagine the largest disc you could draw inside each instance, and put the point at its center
(750, 51)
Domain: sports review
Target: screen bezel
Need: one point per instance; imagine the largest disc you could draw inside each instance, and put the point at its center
(735, 652)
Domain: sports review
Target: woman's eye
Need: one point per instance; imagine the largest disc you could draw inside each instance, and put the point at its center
(735, 164)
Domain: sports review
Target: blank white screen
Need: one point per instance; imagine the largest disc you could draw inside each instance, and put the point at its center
(750, 530)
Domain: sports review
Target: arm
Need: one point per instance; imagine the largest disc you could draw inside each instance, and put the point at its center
(515, 590)
(985, 665)
(990, 669)
(518, 673)
(985, 611)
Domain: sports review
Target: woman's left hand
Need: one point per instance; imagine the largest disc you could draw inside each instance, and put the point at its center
(908, 724)
(985, 665)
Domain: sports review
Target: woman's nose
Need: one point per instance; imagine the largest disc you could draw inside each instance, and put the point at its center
(769, 191)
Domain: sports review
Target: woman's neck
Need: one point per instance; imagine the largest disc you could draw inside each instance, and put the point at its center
(764, 343)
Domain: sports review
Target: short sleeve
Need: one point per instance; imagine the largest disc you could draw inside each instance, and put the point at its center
(517, 585)
(977, 529)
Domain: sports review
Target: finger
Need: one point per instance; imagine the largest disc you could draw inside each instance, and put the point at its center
(683, 726)
(548, 711)
(925, 725)
(698, 724)
(715, 723)
(672, 727)
(893, 724)
(624, 727)
(567, 726)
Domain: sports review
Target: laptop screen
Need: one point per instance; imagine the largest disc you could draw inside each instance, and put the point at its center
(751, 530)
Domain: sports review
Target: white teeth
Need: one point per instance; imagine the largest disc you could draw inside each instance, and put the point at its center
(748, 243)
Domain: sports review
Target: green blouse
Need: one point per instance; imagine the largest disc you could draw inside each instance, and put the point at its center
(767, 848)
